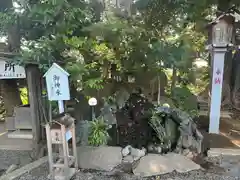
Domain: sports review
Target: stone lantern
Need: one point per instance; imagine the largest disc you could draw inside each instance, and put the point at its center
(220, 38)
(222, 31)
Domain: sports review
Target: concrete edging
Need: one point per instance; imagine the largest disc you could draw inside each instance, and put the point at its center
(214, 152)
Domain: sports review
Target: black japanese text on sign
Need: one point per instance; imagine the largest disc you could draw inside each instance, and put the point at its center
(57, 85)
(9, 67)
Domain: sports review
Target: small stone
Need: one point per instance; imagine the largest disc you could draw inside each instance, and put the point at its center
(137, 153)
(158, 149)
(186, 152)
(150, 148)
(128, 159)
(126, 151)
(49, 176)
(190, 155)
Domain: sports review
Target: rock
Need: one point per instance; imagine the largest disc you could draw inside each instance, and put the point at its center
(154, 148)
(150, 148)
(104, 158)
(11, 168)
(187, 141)
(126, 151)
(181, 163)
(153, 165)
(137, 153)
(158, 149)
(82, 132)
(134, 152)
(128, 159)
(188, 154)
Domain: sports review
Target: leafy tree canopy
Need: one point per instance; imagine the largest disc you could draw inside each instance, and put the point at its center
(90, 38)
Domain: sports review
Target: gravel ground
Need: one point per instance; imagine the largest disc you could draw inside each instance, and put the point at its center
(41, 173)
(8, 158)
(194, 175)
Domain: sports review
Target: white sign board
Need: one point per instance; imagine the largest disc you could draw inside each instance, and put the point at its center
(10, 70)
(216, 95)
(57, 83)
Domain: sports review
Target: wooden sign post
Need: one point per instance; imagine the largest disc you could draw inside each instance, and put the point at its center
(60, 132)
(57, 85)
(64, 165)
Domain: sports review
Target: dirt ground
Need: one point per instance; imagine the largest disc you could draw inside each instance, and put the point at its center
(229, 136)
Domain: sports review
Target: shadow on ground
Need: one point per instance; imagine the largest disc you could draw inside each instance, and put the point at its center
(228, 137)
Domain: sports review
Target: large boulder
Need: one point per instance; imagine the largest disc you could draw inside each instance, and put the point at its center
(153, 165)
(104, 158)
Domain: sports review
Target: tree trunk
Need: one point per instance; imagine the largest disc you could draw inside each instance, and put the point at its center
(231, 86)
(227, 88)
(159, 89)
(235, 93)
(174, 79)
(98, 7)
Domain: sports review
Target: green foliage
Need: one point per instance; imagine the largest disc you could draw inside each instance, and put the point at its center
(155, 123)
(185, 100)
(174, 127)
(87, 38)
(45, 26)
(24, 95)
(6, 20)
(98, 132)
(165, 128)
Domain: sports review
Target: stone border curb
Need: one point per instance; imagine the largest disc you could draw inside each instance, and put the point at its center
(214, 152)
(15, 174)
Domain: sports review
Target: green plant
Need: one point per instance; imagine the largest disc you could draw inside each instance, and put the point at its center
(98, 132)
(164, 126)
(155, 123)
(185, 100)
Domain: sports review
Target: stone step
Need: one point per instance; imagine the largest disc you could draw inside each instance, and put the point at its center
(203, 105)
(213, 152)
(224, 114)
(235, 124)
(203, 108)
(21, 134)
